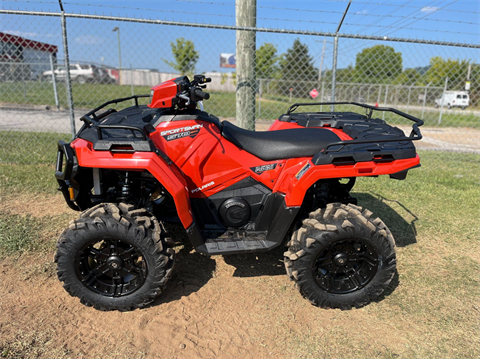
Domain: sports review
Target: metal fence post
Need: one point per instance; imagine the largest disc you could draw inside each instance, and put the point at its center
(443, 101)
(67, 70)
(321, 96)
(260, 98)
(424, 100)
(334, 72)
(335, 53)
(385, 103)
(408, 98)
(54, 81)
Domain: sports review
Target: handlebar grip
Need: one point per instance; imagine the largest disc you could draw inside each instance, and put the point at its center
(208, 79)
(201, 95)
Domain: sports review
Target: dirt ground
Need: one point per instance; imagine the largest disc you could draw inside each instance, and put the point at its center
(234, 307)
(241, 306)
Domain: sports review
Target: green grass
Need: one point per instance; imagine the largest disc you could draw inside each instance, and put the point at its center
(30, 147)
(18, 234)
(445, 189)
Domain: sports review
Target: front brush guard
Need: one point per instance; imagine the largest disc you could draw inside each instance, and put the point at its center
(65, 173)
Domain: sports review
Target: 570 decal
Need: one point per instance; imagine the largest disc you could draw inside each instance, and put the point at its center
(176, 133)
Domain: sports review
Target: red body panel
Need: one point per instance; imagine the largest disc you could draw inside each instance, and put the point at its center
(163, 94)
(168, 176)
(206, 163)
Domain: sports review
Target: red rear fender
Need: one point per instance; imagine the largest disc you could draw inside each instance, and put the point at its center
(298, 177)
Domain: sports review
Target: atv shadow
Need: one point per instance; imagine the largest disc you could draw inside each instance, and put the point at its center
(191, 272)
(271, 263)
(400, 221)
(258, 264)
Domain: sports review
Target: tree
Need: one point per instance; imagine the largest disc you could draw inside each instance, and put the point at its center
(298, 72)
(185, 56)
(378, 64)
(455, 70)
(408, 77)
(266, 61)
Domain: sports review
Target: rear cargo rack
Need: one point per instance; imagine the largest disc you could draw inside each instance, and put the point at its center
(359, 149)
(415, 135)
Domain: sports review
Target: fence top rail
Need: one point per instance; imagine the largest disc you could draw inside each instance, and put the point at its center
(246, 28)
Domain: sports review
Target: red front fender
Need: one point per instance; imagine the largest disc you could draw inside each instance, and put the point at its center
(168, 176)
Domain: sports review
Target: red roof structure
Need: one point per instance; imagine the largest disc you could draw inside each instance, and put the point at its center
(31, 44)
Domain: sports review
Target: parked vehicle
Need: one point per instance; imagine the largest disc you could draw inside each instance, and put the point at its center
(105, 76)
(453, 99)
(231, 190)
(78, 72)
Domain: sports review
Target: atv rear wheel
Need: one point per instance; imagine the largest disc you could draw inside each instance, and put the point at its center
(114, 257)
(340, 257)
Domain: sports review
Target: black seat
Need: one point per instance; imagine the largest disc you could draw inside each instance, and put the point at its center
(281, 144)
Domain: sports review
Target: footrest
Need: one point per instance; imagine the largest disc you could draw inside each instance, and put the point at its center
(230, 243)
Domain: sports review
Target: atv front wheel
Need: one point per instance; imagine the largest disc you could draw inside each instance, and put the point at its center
(340, 257)
(114, 257)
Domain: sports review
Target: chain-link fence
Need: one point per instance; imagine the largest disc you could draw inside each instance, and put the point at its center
(118, 57)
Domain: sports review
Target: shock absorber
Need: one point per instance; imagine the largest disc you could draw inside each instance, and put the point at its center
(125, 192)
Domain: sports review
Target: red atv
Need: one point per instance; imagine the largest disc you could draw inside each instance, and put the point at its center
(232, 190)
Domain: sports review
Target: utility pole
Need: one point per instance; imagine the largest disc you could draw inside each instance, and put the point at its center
(467, 83)
(246, 16)
(321, 62)
(117, 29)
(67, 68)
(335, 53)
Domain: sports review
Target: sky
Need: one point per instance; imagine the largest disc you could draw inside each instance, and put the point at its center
(147, 46)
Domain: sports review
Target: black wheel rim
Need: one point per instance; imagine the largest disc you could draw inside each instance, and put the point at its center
(111, 267)
(345, 266)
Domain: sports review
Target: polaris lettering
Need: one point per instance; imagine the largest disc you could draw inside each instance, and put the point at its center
(203, 187)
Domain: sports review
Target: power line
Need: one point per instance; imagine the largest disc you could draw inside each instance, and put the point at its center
(386, 3)
(381, 19)
(418, 18)
(268, 18)
(454, 1)
(413, 28)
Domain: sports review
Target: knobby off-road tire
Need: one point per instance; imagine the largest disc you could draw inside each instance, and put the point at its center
(340, 257)
(114, 257)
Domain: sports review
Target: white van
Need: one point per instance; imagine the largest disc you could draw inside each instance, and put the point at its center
(453, 99)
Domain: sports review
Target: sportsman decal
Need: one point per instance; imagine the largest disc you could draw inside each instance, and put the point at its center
(260, 169)
(176, 133)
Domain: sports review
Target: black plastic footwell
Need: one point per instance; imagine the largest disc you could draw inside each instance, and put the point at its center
(237, 241)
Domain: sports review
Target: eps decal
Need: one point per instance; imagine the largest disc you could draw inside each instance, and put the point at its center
(260, 169)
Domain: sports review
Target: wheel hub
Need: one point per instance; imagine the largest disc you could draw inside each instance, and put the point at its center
(115, 262)
(345, 266)
(340, 259)
(111, 267)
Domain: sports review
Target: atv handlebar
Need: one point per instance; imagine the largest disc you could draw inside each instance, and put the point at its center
(200, 95)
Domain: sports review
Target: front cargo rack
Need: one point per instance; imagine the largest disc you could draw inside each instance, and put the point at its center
(93, 121)
(143, 143)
